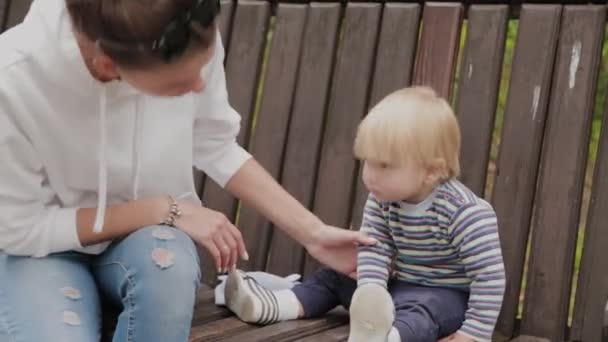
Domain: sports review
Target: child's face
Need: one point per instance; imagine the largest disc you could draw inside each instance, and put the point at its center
(410, 182)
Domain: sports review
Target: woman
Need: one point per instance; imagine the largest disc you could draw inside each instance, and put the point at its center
(105, 106)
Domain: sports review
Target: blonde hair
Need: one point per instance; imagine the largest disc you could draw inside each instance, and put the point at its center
(411, 124)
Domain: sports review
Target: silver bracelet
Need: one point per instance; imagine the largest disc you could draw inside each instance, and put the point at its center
(174, 213)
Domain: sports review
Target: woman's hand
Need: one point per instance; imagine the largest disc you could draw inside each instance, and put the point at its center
(337, 248)
(212, 230)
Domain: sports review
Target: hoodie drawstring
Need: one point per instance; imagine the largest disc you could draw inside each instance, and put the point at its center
(136, 152)
(103, 167)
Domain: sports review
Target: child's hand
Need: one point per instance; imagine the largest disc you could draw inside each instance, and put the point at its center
(456, 337)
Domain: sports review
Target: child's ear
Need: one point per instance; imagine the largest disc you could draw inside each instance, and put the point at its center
(436, 171)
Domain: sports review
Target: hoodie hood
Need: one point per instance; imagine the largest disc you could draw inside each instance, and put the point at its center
(75, 75)
(69, 141)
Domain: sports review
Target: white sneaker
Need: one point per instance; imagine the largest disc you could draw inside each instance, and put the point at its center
(249, 300)
(372, 314)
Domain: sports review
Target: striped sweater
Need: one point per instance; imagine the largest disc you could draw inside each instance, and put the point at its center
(448, 240)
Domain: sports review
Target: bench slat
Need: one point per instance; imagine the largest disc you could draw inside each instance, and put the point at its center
(270, 132)
(17, 10)
(3, 11)
(306, 126)
(247, 43)
(591, 295)
(478, 89)
(208, 312)
(525, 338)
(562, 172)
(438, 46)
(348, 103)
(218, 330)
(290, 330)
(225, 22)
(242, 64)
(393, 69)
(518, 159)
(333, 335)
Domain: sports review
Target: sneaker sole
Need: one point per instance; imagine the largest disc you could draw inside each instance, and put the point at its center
(372, 314)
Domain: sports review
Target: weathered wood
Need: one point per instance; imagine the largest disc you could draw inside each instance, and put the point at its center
(335, 183)
(393, 69)
(218, 330)
(562, 172)
(306, 126)
(270, 133)
(333, 335)
(225, 21)
(525, 338)
(242, 68)
(396, 49)
(438, 47)
(17, 10)
(213, 323)
(291, 330)
(478, 90)
(206, 311)
(522, 133)
(591, 295)
(3, 12)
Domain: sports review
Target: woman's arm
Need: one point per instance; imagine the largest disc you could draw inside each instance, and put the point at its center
(208, 228)
(121, 219)
(258, 189)
(333, 247)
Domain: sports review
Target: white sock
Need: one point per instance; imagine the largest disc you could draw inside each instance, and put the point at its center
(289, 305)
(393, 336)
(254, 303)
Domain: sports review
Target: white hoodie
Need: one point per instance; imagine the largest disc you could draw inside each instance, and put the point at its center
(68, 141)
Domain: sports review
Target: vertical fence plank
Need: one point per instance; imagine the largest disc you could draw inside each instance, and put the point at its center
(562, 172)
(592, 294)
(3, 11)
(439, 42)
(518, 159)
(306, 126)
(243, 66)
(393, 69)
(17, 9)
(348, 103)
(478, 90)
(270, 134)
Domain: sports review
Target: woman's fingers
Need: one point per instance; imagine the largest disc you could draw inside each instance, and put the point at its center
(234, 251)
(215, 253)
(238, 237)
(224, 248)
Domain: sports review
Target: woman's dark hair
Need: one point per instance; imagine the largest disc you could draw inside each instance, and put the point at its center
(141, 33)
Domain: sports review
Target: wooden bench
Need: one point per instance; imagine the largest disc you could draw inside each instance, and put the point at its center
(303, 75)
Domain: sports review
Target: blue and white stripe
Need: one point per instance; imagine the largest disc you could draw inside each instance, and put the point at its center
(450, 241)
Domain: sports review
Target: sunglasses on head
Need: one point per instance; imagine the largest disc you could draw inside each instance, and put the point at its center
(175, 38)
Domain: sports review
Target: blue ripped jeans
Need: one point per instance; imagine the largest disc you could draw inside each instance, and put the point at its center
(151, 276)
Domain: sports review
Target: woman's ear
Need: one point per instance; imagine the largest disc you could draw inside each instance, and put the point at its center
(436, 171)
(105, 67)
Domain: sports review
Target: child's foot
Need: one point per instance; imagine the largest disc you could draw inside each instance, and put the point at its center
(372, 314)
(250, 301)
